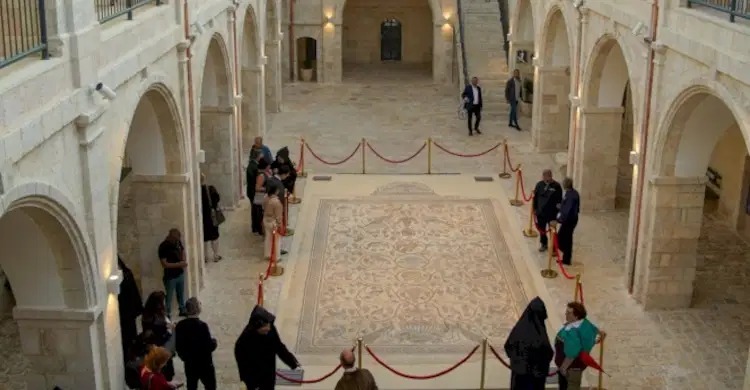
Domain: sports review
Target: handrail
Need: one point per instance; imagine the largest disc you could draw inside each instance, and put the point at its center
(107, 10)
(503, 5)
(734, 8)
(461, 40)
(23, 30)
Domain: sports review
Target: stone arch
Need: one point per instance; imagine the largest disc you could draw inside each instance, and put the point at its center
(522, 42)
(217, 135)
(307, 56)
(552, 83)
(607, 120)
(524, 28)
(688, 134)
(62, 254)
(252, 82)
(273, 53)
(152, 183)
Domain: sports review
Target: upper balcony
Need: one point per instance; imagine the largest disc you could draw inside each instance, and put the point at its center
(737, 11)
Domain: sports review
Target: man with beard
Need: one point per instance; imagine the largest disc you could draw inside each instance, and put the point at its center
(256, 350)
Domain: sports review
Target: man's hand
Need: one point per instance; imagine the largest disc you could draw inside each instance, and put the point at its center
(183, 264)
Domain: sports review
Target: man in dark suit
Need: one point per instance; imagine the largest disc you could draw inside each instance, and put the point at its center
(568, 218)
(513, 93)
(473, 103)
(546, 200)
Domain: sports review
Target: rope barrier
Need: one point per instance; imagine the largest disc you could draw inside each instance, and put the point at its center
(437, 145)
(421, 377)
(329, 162)
(507, 158)
(519, 172)
(506, 364)
(556, 247)
(309, 381)
(369, 146)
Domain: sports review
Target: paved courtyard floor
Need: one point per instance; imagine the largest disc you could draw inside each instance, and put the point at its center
(700, 348)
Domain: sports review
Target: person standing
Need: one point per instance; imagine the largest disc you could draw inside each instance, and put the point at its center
(273, 217)
(251, 178)
(194, 346)
(576, 337)
(256, 351)
(283, 159)
(568, 219)
(209, 205)
(278, 179)
(152, 377)
(158, 328)
(172, 257)
(529, 349)
(354, 378)
(473, 102)
(547, 197)
(131, 306)
(513, 93)
(263, 149)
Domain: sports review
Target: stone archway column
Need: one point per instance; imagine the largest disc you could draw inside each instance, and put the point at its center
(332, 52)
(253, 107)
(218, 143)
(160, 203)
(63, 347)
(273, 75)
(597, 156)
(550, 121)
(442, 53)
(667, 250)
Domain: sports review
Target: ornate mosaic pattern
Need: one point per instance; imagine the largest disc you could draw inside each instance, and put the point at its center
(419, 275)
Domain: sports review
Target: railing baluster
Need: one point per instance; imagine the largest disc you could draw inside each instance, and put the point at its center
(733, 8)
(43, 29)
(23, 30)
(107, 10)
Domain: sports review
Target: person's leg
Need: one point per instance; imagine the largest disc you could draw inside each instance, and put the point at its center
(215, 249)
(206, 247)
(574, 379)
(469, 115)
(180, 291)
(541, 223)
(267, 241)
(513, 117)
(562, 382)
(169, 287)
(208, 377)
(478, 114)
(191, 377)
(564, 241)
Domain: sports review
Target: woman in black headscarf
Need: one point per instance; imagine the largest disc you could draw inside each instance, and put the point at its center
(131, 306)
(282, 158)
(529, 349)
(256, 350)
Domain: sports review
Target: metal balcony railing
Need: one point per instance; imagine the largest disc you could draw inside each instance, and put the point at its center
(107, 10)
(23, 30)
(733, 8)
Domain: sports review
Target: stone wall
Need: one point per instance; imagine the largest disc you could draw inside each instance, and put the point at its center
(624, 168)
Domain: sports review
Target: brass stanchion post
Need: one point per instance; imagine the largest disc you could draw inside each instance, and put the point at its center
(302, 172)
(517, 201)
(276, 269)
(359, 353)
(287, 232)
(504, 174)
(364, 146)
(261, 298)
(575, 291)
(429, 156)
(601, 363)
(483, 371)
(530, 231)
(550, 273)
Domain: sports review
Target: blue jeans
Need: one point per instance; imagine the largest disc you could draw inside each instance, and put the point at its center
(172, 286)
(513, 119)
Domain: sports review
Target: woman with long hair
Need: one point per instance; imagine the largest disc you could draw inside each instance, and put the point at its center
(152, 377)
(155, 320)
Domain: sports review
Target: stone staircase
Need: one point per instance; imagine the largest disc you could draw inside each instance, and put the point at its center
(485, 57)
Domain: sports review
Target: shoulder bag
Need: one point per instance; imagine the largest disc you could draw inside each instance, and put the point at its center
(217, 216)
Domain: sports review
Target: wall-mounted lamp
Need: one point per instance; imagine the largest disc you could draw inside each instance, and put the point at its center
(634, 157)
(201, 156)
(113, 282)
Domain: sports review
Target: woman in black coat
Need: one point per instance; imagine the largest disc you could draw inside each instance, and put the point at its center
(209, 203)
(256, 350)
(529, 349)
(131, 306)
(282, 158)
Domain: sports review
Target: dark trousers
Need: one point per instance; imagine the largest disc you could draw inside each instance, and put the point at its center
(526, 382)
(262, 386)
(572, 381)
(565, 240)
(256, 218)
(542, 223)
(473, 110)
(205, 373)
(289, 183)
(513, 116)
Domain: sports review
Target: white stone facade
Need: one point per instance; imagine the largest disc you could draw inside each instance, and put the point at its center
(182, 93)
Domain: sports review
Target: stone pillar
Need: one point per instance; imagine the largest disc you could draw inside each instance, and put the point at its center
(595, 173)
(442, 53)
(332, 52)
(63, 347)
(671, 225)
(217, 142)
(160, 203)
(253, 107)
(273, 75)
(551, 118)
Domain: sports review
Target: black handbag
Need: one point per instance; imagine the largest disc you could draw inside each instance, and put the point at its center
(217, 216)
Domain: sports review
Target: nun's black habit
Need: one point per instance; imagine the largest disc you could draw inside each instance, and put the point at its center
(131, 306)
(256, 353)
(529, 349)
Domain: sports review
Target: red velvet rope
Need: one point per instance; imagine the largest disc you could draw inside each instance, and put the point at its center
(359, 145)
(504, 363)
(421, 377)
(559, 258)
(523, 189)
(321, 379)
(507, 159)
(396, 161)
(466, 155)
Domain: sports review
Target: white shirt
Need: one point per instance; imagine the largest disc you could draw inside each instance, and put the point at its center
(475, 91)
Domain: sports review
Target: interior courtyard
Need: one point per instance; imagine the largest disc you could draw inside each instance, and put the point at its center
(406, 236)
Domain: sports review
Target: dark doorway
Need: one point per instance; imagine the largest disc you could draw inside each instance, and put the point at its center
(390, 40)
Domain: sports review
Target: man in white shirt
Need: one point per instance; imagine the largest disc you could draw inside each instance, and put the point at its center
(473, 101)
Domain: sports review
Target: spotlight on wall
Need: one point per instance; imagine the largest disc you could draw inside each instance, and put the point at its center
(105, 91)
(198, 28)
(577, 4)
(638, 29)
(113, 282)
(201, 156)
(633, 157)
